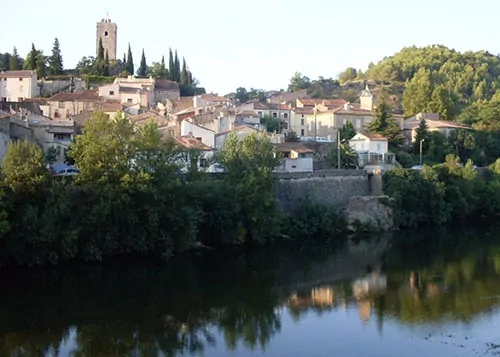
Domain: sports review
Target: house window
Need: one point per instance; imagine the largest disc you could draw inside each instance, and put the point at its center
(301, 121)
(67, 113)
(285, 115)
(111, 92)
(20, 99)
(20, 79)
(129, 100)
(4, 99)
(285, 125)
(260, 113)
(203, 162)
(379, 148)
(301, 132)
(275, 115)
(56, 114)
(61, 105)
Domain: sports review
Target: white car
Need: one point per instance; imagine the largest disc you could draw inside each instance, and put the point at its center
(68, 172)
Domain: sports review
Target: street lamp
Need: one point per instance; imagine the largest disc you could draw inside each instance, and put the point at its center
(421, 141)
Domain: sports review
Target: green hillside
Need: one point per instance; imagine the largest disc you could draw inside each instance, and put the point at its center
(436, 78)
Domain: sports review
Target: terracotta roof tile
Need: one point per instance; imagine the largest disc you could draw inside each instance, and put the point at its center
(374, 136)
(83, 96)
(190, 142)
(17, 74)
(249, 113)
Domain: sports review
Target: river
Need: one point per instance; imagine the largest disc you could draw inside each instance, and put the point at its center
(427, 293)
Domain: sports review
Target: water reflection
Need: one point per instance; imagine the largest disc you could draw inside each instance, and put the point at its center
(229, 301)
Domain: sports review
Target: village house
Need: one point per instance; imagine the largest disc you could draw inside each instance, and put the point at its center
(206, 136)
(240, 131)
(66, 105)
(204, 155)
(16, 86)
(323, 118)
(56, 134)
(249, 117)
(434, 124)
(295, 158)
(12, 129)
(373, 152)
(166, 90)
(143, 95)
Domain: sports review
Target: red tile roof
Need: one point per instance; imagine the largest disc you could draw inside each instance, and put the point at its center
(190, 142)
(374, 136)
(83, 96)
(17, 74)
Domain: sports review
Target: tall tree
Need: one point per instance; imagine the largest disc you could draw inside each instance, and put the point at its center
(421, 133)
(129, 65)
(31, 59)
(184, 74)
(143, 67)
(298, 81)
(124, 59)
(385, 124)
(417, 93)
(442, 102)
(55, 60)
(106, 64)
(163, 69)
(41, 65)
(5, 65)
(171, 65)
(177, 68)
(100, 51)
(15, 60)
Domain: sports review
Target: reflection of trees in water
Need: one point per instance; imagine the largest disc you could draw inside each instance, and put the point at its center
(153, 309)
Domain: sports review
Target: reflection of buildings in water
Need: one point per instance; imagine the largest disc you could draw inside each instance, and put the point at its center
(433, 290)
(364, 310)
(318, 297)
(373, 283)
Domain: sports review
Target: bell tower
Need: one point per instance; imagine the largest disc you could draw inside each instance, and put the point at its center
(107, 31)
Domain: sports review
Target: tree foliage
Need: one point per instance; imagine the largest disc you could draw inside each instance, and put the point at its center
(55, 60)
(298, 82)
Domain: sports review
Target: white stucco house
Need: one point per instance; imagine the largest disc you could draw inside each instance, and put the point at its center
(206, 136)
(373, 151)
(15, 86)
(205, 162)
(295, 158)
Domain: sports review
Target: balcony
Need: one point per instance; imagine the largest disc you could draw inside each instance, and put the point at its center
(372, 160)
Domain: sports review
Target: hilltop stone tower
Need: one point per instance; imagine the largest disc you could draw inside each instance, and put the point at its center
(107, 30)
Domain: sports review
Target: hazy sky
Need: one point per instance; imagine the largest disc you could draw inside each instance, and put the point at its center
(258, 43)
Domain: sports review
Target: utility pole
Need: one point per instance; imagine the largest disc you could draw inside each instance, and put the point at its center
(421, 141)
(315, 125)
(338, 149)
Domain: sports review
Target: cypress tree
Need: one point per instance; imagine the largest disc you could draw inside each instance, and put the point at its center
(164, 71)
(124, 59)
(190, 78)
(129, 66)
(106, 64)
(177, 68)
(184, 74)
(15, 61)
(143, 68)
(171, 68)
(55, 60)
(100, 52)
(31, 59)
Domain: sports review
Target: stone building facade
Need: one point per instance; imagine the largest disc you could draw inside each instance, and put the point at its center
(107, 31)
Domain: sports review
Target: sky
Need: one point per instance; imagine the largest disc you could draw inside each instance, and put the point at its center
(260, 43)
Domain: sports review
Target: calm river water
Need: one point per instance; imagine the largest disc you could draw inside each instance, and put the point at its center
(431, 293)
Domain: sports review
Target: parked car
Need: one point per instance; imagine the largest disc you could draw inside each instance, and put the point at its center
(68, 172)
